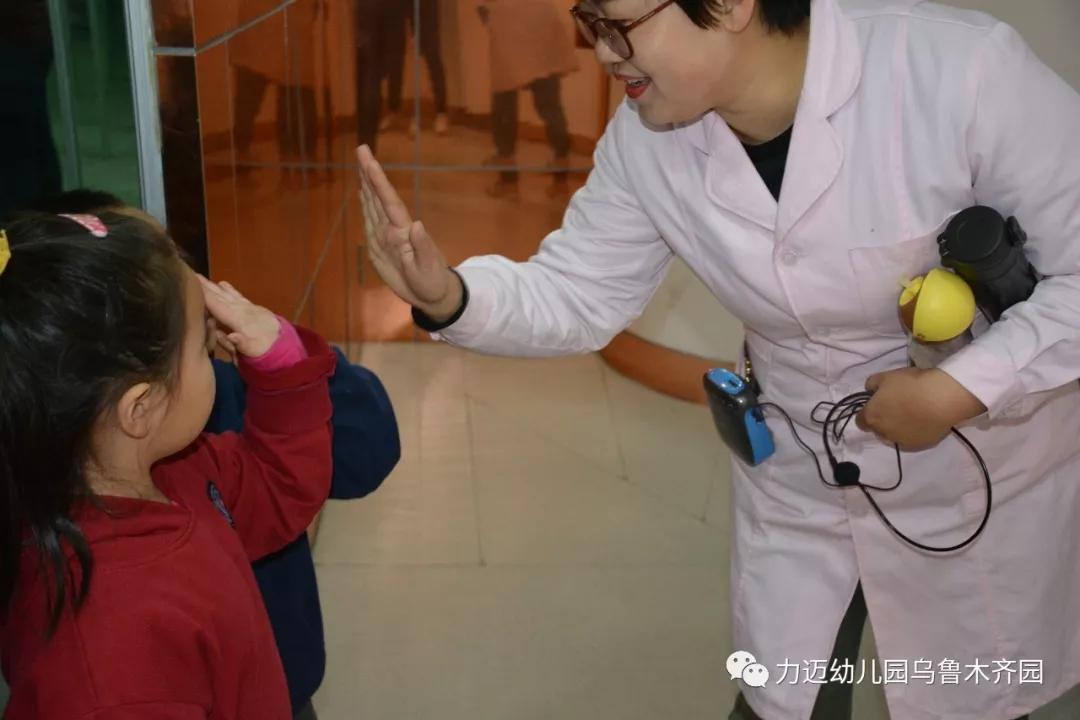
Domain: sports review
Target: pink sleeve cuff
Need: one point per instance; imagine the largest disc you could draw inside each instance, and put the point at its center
(286, 351)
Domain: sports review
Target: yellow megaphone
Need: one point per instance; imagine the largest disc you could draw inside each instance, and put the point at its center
(937, 306)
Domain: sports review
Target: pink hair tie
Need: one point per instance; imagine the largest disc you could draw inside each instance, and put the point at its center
(92, 223)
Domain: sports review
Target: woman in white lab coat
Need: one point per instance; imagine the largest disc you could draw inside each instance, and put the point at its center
(901, 114)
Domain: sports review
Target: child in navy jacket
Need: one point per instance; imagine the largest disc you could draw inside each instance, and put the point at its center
(366, 448)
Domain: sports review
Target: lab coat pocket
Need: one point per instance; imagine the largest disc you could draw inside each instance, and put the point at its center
(880, 273)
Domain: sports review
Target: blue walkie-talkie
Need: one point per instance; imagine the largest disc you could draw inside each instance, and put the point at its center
(738, 416)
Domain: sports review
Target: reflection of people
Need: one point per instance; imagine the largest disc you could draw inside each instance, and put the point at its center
(430, 48)
(373, 19)
(255, 70)
(802, 166)
(530, 48)
(250, 88)
(31, 166)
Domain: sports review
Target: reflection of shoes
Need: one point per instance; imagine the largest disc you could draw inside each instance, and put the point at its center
(390, 121)
(442, 124)
(504, 190)
(414, 127)
(500, 161)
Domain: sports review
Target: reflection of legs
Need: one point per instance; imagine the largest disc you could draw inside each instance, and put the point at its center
(504, 128)
(431, 48)
(296, 123)
(392, 29)
(548, 101)
(308, 116)
(368, 97)
(250, 90)
(504, 118)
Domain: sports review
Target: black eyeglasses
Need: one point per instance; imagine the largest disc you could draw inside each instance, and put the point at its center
(614, 33)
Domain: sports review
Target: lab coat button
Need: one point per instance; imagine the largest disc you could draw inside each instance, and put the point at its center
(789, 257)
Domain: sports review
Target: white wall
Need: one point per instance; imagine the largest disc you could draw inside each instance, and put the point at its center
(685, 316)
(1051, 27)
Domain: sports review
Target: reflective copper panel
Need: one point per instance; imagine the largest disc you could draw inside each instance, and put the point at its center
(486, 129)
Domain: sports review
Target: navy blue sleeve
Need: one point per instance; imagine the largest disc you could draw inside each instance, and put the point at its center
(366, 441)
(228, 412)
(366, 448)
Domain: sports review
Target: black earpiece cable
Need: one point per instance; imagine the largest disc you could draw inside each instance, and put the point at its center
(846, 474)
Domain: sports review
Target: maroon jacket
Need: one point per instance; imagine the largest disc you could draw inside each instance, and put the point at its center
(174, 626)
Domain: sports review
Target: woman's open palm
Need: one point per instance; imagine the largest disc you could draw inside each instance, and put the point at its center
(404, 254)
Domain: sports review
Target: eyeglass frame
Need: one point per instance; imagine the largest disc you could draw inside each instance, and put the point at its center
(622, 27)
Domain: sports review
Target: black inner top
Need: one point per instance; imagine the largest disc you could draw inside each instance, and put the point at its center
(770, 159)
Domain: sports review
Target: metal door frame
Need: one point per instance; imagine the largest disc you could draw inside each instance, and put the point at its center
(144, 91)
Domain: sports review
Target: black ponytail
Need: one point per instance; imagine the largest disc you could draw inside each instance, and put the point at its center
(82, 319)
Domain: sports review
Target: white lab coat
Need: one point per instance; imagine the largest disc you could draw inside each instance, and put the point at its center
(910, 112)
(529, 42)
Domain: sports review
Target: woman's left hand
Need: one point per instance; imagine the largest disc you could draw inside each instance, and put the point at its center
(915, 408)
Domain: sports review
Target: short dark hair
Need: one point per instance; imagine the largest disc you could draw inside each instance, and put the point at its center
(784, 16)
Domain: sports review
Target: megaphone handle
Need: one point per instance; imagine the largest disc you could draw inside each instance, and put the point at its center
(926, 356)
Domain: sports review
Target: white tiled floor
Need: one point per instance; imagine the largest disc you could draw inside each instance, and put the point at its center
(553, 545)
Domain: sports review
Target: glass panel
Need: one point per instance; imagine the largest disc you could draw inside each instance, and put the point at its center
(214, 19)
(517, 90)
(196, 23)
(107, 143)
(375, 313)
(332, 253)
(65, 94)
(323, 87)
(335, 51)
(379, 47)
(181, 156)
(272, 204)
(218, 164)
(172, 23)
(101, 87)
(310, 81)
(494, 118)
(27, 143)
(471, 213)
